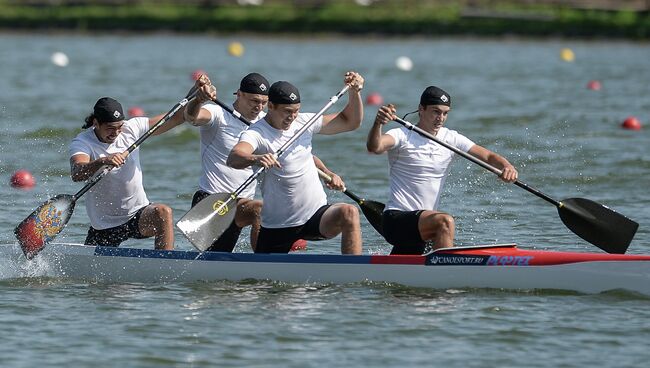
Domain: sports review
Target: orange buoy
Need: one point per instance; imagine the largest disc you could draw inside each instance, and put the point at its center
(23, 179)
(135, 111)
(594, 85)
(300, 244)
(631, 123)
(197, 73)
(374, 99)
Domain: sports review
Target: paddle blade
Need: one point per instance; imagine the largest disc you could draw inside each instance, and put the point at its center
(598, 224)
(44, 224)
(373, 210)
(205, 222)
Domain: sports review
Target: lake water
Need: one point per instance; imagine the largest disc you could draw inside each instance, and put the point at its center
(516, 97)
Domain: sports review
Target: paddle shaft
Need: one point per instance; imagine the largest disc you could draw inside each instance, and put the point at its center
(477, 161)
(345, 191)
(287, 144)
(136, 144)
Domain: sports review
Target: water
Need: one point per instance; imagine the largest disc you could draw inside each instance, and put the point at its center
(516, 97)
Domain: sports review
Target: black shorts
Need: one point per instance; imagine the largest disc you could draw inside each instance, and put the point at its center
(227, 240)
(280, 240)
(401, 231)
(114, 236)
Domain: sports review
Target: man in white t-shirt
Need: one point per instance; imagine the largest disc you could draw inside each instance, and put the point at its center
(295, 205)
(418, 169)
(117, 205)
(220, 131)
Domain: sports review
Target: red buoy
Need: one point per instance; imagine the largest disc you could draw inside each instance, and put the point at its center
(594, 85)
(300, 244)
(374, 99)
(135, 111)
(23, 179)
(631, 123)
(197, 74)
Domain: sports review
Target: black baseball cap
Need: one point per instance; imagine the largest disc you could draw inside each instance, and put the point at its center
(433, 95)
(284, 93)
(108, 110)
(254, 83)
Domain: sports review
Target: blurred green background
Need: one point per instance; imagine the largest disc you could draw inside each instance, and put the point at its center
(627, 19)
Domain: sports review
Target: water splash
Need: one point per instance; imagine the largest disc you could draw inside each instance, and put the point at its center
(14, 265)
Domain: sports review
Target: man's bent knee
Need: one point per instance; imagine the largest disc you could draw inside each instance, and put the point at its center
(444, 222)
(349, 214)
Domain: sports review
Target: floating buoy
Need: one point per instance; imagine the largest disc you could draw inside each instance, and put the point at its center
(59, 59)
(404, 63)
(300, 244)
(567, 54)
(197, 74)
(236, 49)
(374, 99)
(135, 111)
(631, 123)
(594, 85)
(23, 179)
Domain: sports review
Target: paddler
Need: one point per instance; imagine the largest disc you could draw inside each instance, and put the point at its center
(418, 169)
(117, 205)
(295, 204)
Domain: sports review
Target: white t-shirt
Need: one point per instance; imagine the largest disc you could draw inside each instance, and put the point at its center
(218, 137)
(119, 194)
(419, 166)
(293, 193)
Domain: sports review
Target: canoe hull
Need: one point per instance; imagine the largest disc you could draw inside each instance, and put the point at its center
(500, 267)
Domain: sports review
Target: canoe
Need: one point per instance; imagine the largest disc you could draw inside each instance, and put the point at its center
(502, 266)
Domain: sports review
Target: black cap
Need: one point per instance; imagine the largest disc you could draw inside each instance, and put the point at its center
(108, 110)
(435, 96)
(284, 93)
(254, 83)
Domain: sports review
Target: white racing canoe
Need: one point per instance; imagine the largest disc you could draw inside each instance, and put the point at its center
(493, 266)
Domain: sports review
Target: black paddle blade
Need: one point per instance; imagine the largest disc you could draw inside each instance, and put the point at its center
(598, 224)
(373, 210)
(205, 222)
(44, 224)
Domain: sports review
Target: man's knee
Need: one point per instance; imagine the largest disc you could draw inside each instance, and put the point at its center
(349, 214)
(160, 214)
(444, 222)
(248, 212)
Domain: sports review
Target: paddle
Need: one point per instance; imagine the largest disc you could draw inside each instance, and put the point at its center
(205, 222)
(593, 222)
(371, 209)
(49, 219)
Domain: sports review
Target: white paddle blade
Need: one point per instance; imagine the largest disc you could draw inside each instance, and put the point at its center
(206, 222)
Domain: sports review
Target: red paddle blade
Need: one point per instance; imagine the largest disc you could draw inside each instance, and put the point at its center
(44, 224)
(300, 244)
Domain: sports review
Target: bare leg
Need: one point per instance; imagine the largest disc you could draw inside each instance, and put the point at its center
(343, 219)
(438, 227)
(248, 213)
(157, 220)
